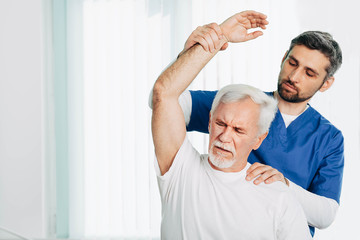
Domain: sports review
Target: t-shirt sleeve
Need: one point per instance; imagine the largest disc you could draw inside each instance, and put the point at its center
(183, 160)
(328, 179)
(201, 106)
(185, 103)
(320, 211)
(292, 222)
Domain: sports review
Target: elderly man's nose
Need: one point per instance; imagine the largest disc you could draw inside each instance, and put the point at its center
(226, 135)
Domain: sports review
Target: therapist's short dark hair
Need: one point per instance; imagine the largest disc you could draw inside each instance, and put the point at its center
(323, 42)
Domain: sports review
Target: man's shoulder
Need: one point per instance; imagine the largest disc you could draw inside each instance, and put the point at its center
(277, 194)
(203, 94)
(323, 124)
(184, 158)
(277, 187)
(187, 150)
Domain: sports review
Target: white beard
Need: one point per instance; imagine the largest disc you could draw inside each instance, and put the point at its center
(219, 160)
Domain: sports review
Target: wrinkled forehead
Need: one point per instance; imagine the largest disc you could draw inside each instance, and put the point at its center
(244, 111)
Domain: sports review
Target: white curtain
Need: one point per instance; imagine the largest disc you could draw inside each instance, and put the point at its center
(115, 51)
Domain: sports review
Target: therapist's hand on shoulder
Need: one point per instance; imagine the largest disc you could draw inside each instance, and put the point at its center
(266, 174)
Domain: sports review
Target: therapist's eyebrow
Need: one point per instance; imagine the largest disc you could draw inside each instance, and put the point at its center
(307, 68)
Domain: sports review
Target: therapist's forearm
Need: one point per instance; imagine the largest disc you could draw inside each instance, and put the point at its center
(320, 211)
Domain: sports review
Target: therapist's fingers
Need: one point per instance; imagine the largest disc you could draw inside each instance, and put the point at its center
(217, 35)
(265, 174)
(255, 170)
(224, 47)
(212, 34)
(277, 177)
(211, 39)
(270, 176)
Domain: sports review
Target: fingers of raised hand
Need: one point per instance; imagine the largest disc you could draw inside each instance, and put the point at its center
(252, 19)
(252, 14)
(258, 22)
(253, 35)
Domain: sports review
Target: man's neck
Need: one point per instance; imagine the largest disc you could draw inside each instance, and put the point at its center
(290, 108)
(237, 167)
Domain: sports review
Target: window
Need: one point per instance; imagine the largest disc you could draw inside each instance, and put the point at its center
(108, 54)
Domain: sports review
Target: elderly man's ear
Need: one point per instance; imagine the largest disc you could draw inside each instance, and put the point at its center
(209, 122)
(259, 140)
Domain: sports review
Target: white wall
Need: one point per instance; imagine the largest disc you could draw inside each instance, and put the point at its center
(21, 151)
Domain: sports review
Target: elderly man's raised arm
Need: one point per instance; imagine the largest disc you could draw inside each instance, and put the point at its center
(168, 124)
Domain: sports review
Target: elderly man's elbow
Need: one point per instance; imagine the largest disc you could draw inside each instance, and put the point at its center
(158, 94)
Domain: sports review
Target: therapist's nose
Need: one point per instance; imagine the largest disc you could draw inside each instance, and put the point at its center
(295, 75)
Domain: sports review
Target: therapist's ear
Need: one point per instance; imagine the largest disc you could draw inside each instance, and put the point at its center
(327, 84)
(259, 140)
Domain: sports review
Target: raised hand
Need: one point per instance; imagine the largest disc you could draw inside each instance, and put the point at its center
(236, 27)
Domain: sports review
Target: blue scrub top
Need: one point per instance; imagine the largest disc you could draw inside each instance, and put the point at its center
(309, 152)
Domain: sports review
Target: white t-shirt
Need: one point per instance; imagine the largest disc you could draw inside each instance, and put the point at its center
(199, 202)
(286, 117)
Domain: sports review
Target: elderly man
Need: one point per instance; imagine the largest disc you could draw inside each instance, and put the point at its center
(207, 196)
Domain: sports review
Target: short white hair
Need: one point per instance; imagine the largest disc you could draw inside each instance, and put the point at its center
(238, 92)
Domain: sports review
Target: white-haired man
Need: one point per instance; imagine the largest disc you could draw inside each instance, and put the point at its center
(207, 196)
